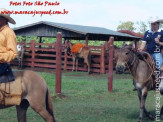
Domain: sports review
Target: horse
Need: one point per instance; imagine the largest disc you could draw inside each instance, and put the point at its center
(20, 55)
(143, 75)
(84, 53)
(35, 93)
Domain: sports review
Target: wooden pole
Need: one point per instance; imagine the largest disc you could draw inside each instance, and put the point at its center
(102, 60)
(33, 52)
(136, 44)
(58, 63)
(110, 72)
(86, 40)
(65, 58)
(40, 41)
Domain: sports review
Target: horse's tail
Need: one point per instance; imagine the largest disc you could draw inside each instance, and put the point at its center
(49, 105)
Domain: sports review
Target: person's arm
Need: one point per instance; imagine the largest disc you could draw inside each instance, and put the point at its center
(11, 51)
(143, 44)
(159, 39)
(160, 43)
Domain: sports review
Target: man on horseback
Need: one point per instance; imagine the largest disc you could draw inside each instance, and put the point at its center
(153, 40)
(8, 42)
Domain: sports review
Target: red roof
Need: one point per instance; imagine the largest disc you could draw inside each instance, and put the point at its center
(131, 33)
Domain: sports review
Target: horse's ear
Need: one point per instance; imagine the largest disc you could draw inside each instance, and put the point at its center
(127, 47)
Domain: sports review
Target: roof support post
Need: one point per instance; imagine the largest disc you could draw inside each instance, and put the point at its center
(136, 44)
(65, 56)
(86, 40)
(58, 63)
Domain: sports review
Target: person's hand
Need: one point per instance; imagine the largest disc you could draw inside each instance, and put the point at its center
(157, 41)
(140, 50)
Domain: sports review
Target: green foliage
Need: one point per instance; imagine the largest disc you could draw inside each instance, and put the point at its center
(52, 40)
(126, 26)
(141, 27)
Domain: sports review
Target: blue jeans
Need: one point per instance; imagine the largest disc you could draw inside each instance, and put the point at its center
(158, 58)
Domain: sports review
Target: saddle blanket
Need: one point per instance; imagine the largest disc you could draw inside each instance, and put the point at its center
(10, 92)
(76, 48)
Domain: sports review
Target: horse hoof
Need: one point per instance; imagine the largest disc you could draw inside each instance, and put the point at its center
(140, 120)
(151, 117)
(161, 117)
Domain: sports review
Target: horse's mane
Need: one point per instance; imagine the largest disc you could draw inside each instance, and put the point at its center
(138, 54)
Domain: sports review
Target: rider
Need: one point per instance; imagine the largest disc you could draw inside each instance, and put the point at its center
(8, 41)
(152, 41)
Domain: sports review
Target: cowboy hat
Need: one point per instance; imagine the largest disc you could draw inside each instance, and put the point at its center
(155, 20)
(6, 15)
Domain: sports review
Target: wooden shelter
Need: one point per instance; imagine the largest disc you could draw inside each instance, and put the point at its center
(46, 57)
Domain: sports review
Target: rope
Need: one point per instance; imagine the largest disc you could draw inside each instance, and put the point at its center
(146, 63)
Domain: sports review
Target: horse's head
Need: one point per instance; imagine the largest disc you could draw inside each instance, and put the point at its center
(68, 46)
(19, 47)
(124, 58)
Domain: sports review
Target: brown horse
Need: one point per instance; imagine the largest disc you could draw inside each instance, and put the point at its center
(36, 94)
(142, 73)
(84, 53)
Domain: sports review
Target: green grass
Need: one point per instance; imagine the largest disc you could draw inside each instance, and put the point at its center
(89, 101)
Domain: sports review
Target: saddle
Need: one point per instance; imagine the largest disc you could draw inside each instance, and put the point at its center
(10, 88)
(10, 92)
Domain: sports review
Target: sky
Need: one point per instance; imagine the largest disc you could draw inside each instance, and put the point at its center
(99, 13)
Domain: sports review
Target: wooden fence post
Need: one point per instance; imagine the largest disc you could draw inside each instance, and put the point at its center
(58, 63)
(106, 44)
(102, 60)
(33, 43)
(110, 68)
(86, 40)
(136, 44)
(65, 58)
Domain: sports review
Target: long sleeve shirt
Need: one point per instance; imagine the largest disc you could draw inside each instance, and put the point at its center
(8, 42)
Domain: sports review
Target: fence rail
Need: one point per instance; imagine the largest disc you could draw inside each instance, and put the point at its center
(44, 56)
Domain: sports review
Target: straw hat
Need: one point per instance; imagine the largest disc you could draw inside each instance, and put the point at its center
(155, 20)
(6, 16)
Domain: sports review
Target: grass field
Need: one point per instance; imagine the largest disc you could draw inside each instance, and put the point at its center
(89, 101)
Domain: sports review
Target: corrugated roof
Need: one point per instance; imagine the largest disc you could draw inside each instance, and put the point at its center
(80, 29)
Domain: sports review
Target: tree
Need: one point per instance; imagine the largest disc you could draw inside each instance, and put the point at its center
(126, 26)
(141, 27)
(161, 25)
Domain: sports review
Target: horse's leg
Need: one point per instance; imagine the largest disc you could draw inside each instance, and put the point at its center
(140, 101)
(38, 103)
(87, 62)
(21, 111)
(40, 108)
(76, 64)
(148, 114)
(142, 93)
(161, 113)
(73, 67)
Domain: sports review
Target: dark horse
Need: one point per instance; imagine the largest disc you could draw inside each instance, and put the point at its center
(143, 76)
(84, 53)
(35, 94)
